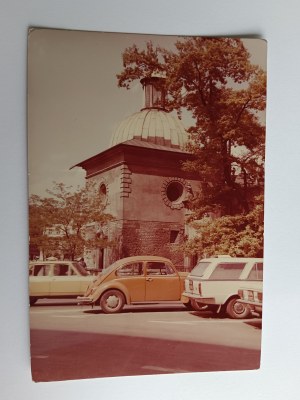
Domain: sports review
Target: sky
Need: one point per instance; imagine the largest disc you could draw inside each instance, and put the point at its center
(74, 103)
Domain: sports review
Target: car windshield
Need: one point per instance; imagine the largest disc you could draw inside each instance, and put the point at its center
(200, 268)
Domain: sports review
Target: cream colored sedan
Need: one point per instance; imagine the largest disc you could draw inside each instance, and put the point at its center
(57, 279)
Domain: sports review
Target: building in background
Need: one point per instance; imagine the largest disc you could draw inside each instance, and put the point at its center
(141, 180)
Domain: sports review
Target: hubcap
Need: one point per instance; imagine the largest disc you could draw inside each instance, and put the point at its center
(238, 308)
(112, 301)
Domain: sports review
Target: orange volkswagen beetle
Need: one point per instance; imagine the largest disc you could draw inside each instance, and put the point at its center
(137, 279)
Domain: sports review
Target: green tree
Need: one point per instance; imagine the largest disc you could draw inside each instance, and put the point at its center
(236, 235)
(214, 80)
(59, 223)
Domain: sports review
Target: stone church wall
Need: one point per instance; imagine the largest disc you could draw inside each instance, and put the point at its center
(146, 222)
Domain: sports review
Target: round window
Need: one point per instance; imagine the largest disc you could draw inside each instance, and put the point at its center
(174, 191)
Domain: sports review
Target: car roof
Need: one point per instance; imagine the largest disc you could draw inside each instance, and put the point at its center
(232, 259)
(38, 262)
(142, 258)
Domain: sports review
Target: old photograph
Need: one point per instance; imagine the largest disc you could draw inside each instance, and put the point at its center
(146, 158)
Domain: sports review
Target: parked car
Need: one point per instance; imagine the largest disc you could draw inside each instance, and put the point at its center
(214, 283)
(252, 295)
(57, 279)
(133, 280)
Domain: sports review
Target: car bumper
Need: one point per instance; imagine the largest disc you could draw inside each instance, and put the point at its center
(198, 299)
(253, 305)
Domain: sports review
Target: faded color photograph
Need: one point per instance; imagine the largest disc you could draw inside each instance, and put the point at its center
(146, 162)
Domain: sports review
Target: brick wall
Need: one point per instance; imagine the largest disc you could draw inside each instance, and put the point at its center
(151, 238)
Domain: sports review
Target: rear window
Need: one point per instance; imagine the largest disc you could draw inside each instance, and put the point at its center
(200, 268)
(256, 273)
(227, 271)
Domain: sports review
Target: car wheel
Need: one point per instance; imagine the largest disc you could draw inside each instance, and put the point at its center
(32, 300)
(237, 310)
(112, 301)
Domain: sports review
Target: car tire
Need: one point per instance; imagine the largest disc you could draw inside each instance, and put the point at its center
(237, 310)
(32, 300)
(112, 301)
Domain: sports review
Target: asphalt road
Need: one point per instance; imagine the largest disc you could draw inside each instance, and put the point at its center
(77, 342)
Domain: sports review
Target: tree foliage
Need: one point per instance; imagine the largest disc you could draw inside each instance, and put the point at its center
(214, 79)
(239, 235)
(58, 223)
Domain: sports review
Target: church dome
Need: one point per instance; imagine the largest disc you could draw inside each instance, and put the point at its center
(153, 123)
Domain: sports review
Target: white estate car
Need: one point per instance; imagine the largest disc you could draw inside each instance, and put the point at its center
(252, 295)
(57, 279)
(214, 283)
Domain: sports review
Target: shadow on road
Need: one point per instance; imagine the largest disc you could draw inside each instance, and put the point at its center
(251, 320)
(206, 314)
(140, 309)
(65, 355)
(71, 302)
(256, 323)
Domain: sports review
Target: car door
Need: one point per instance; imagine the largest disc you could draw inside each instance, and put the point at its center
(132, 276)
(162, 282)
(39, 280)
(64, 281)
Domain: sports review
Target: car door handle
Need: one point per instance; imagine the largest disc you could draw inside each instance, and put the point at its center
(149, 279)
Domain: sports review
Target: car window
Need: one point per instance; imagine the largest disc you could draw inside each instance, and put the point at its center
(40, 270)
(256, 273)
(134, 269)
(227, 271)
(169, 270)
(200, 268)
(61, 270)
(159, 268)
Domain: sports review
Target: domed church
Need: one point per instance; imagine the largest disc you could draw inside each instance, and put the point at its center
(142, 183)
